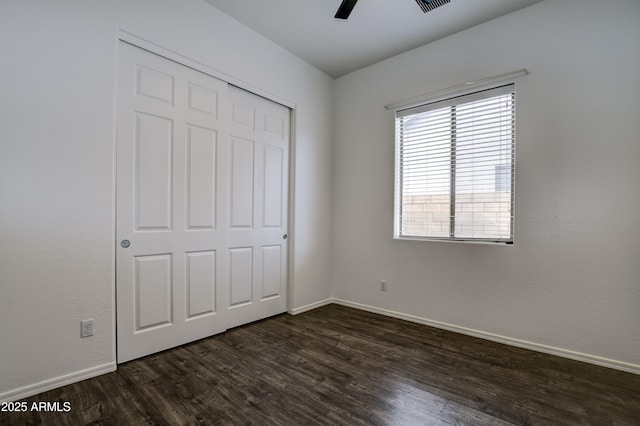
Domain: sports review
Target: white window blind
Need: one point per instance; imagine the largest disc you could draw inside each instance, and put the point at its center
(455, 168)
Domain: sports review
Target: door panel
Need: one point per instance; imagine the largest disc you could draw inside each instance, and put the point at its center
(202, 192)
(241, 267)
(201, 283)
(169, 128)
(153, 285)
(152, 186)
(154, 84)
(260, 137)
(273, 197)
(271, 271)
(244, 115)
(201, 178)
(202, 100)
(242, 181)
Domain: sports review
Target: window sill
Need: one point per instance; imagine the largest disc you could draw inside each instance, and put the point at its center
(457, 240)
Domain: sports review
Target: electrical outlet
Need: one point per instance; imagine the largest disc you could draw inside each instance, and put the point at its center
(86, 328)
(383, 285)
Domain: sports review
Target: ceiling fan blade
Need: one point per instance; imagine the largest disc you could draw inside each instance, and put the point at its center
(427, 5)
(345, 9)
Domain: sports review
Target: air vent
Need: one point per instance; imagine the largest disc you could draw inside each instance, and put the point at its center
(427, 5)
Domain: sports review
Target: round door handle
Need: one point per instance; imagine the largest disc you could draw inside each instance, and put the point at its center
(285, 236)
(125, 243)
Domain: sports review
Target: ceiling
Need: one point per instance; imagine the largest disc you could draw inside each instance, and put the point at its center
(376, 29)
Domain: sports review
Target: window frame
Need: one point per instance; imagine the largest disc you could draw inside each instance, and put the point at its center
(473, 95)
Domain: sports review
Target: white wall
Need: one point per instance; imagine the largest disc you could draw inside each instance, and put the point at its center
(57, 62)
(571, 282)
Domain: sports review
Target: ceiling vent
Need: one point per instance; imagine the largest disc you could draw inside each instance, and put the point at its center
(427, 5)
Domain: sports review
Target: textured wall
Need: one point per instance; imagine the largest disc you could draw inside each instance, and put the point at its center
(571, 281)
(57, 169)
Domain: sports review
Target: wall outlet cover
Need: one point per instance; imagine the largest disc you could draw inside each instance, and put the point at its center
(86, 328)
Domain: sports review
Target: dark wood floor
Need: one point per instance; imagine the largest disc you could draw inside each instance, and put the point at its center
(340, 366)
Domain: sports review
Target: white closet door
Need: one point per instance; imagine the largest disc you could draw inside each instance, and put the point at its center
(259, 141)
(202, 193)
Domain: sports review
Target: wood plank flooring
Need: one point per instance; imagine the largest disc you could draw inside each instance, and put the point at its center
(340, 366)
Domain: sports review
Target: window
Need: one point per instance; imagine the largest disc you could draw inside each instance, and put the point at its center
(455, 168)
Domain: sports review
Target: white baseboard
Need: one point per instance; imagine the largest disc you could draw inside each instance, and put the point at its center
(577, 356)
(296, 311)
(57, 382)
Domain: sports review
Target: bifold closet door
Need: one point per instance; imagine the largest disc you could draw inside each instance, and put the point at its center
(185, 185)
